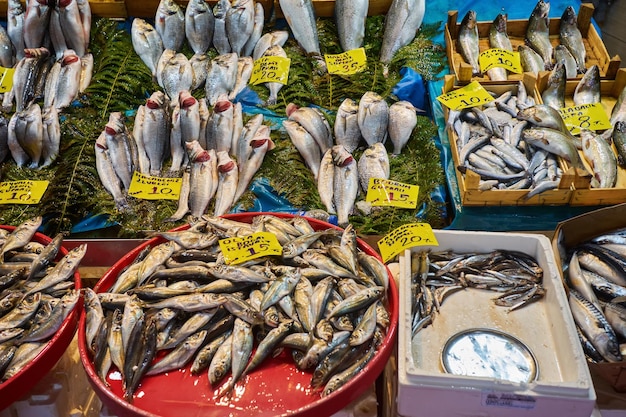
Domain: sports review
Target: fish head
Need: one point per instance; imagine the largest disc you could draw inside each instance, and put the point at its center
(186, 100)
(569, 15)
(223, 104)
(541, 10)
(291, 108)
(469, 20)
(156, 100)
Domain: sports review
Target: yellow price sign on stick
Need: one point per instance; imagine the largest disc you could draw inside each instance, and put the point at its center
(147, 187)
(501, 58)
(585, 116)
(388, 193)
(22, 192)
(6, 79)
(404, 237)
(270, 69)
(348, 63)
(237, 250)
(471, 95)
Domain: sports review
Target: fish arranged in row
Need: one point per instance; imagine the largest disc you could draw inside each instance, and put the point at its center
(516, 276)
(37, 294)
(537, 53)
(323, 299)
(513, 143)
(594, 271)
(34, 136)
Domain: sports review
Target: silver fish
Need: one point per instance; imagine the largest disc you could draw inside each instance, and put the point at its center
(373, 163)
(498, 38)
(24, 354)
(346, 127)
(203, 179)
(562, 54)
(146, 43)
(300, 17)
(72, 26)
(84, 10)
(199, 26)
(467, 42)
(402, 22)
(531, 61)
(278, 37)
(26, 129)
(63, 270)
(350, 17)
(402, 121)
(242, 150)
(175, 75)
(257, 30)
(274, 87)
(86, 72)
(44, 330)
(599, 154)
(220, 39)
(227, 183)
(119, 147)
(15, 27)
(239, 24)
(36, 22)
(325, 181)
(51, 139)
(260, 144)
(221, 76)
(180, 355)
(305, 144)
(69, 80)
(314, 122)
(169, 23)
(345, 183)
(220, 127)
(244, 72)
(221, 362)
(189, 116)
(199, 64)
(538, 32)
(588, 88)
(373, 117)
(241, 349)
(106, 172)
(571, 38)
(554, 93)
(364, 330)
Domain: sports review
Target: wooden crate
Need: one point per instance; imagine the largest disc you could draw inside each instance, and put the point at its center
(468, 183)
(583, 195)
(516, 29)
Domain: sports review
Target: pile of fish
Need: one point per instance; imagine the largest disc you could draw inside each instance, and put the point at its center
(596, 281)
(218, 154)
(36, 294)
(513, 143)
(538, 53)
(436, 275)
(337, 173)
(323, 298)
(47, 45)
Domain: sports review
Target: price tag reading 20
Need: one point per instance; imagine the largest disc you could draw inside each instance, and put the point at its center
(269, 69)
(237, 250)
(154, 188)
(404, 237)
(471, 95)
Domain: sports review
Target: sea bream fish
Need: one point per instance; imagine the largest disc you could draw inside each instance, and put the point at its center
(239, 24)
(169, 23)
(147, 43)
(199, 26)
(26, 129)
(373, 117)
(346, 127)
(15, 27)
(402, 121)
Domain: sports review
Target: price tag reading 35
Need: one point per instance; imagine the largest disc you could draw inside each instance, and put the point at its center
(501, 58)
(270, 69)
(404, 237)
(237, 250)
(471, 95)
(22, 192)
(347, 63)
(154, 188)
(382, 192)
(585, 116)
(6, 79)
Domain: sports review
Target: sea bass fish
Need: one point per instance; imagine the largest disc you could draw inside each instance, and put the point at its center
(402, 22)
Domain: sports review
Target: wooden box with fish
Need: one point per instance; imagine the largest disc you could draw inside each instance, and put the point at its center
(471, 299)
(589, 252)
(491, 170)
(466, 40)
(602, 152)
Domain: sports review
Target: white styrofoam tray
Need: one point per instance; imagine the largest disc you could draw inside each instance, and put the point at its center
(563, 385)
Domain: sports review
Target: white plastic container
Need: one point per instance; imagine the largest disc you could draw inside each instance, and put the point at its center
(563, 385)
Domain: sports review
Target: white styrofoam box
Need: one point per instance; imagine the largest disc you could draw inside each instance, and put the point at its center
(563, 385)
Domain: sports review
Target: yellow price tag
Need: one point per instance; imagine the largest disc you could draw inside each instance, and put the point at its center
(388, 193)
(154, 188)
(471, 95)
(22, 192)
(270, 69)
(404, 237)
(6, 79)
(347, 63)
(237, 250)
(501, 58)
(585, 116)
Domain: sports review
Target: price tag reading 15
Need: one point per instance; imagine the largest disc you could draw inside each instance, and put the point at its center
(471, 95)
(388, 193)
(270, 69)
(237, 250)
(404, 237)
(154, 188)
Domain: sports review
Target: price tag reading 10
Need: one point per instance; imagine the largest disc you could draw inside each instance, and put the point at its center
(471, 95)
(22, 192)
(154, 188)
